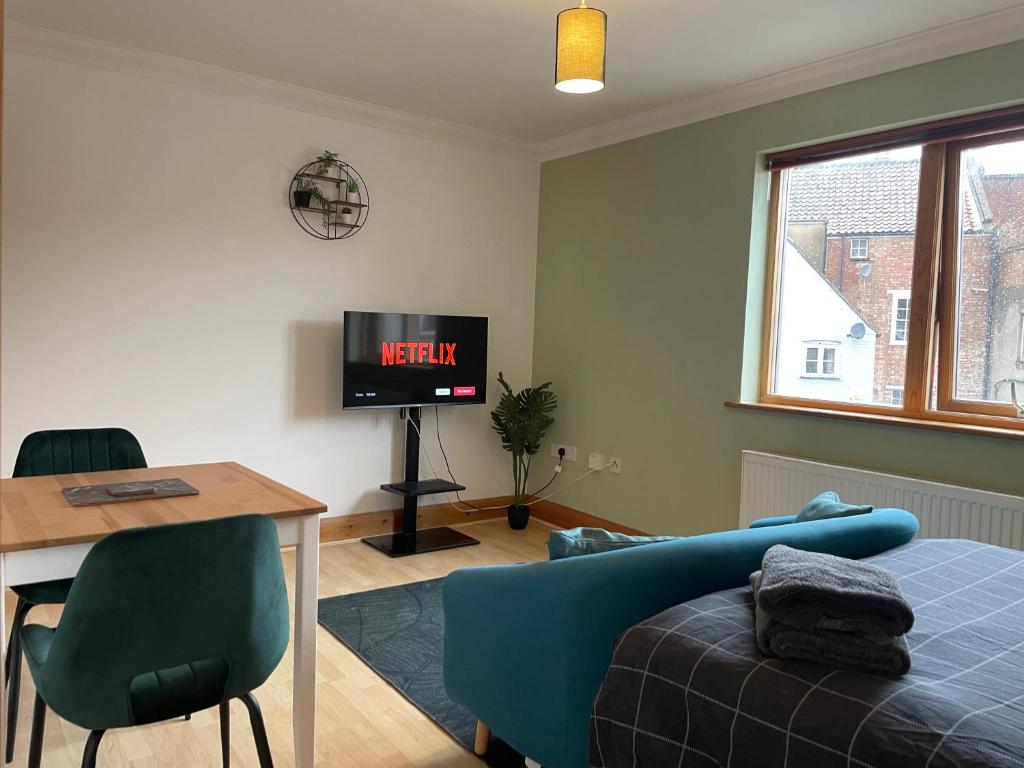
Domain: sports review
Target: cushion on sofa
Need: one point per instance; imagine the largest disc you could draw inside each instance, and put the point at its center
(770, 522)
(588, 541)
(827, 505)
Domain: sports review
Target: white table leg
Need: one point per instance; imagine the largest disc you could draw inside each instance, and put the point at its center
(307, 566)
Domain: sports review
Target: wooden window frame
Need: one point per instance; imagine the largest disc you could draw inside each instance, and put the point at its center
(950, 246)
(933, 298)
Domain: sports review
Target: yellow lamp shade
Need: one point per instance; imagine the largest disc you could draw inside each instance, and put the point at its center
(579, 54)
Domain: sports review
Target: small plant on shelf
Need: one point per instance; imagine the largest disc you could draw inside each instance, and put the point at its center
(521, 420)
(352, 190)
(348, 216)
(307, 192)
(303, 193)
(326, 162)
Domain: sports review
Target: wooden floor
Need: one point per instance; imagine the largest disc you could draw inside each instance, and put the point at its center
(360, 719)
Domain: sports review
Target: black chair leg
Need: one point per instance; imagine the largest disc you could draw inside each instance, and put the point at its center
(259, 730)
(10, 643)
(35, 745)
(92, 746)
(225, 734)
(12, 673)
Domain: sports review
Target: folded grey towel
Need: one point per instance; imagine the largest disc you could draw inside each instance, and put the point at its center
(889, 656)
(814, 591)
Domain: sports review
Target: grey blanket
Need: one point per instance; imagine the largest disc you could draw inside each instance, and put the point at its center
(814, 591)
(888, 656)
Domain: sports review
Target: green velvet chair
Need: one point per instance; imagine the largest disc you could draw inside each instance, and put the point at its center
(59, 452)
(160, 622)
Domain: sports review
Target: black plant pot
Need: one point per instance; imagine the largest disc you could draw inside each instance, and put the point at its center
(518, 517)
(302, 198)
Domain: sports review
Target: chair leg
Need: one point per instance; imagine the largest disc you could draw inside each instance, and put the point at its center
(483, 738)
(259, 730)
(92, 746)
(35, 744)
(12, 673)
(10, 643)
(225, 733)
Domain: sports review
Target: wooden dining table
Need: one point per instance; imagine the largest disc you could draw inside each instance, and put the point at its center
(44, 537)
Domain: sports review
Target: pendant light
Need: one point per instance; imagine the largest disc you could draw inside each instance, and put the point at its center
(579, 53)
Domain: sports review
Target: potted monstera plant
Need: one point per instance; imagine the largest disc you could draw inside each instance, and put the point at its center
(521, 421)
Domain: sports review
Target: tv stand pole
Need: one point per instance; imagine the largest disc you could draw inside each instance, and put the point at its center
(409, 540)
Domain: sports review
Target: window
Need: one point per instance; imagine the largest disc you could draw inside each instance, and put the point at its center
(900, 317)
(859, 248)
(820, 360)
(895, 395)
(932, 325)
(823, 295)
(1020, 345)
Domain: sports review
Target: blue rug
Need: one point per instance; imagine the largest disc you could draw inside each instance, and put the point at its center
(399, 633)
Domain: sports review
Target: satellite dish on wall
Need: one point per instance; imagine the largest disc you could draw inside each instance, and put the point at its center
(864, 270)
(857, 330)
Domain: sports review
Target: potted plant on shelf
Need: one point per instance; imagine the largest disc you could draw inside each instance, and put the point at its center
(327, 164)
(521, 421)
(352, 191)
(348, 216)
(303, 193)
(317, 196)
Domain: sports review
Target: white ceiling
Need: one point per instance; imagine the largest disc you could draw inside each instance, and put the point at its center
(489, 65)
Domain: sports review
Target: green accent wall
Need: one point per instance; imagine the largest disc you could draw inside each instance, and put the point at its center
(648, 304)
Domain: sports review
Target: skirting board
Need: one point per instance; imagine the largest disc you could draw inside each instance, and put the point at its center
(364, 524)
(562, 516)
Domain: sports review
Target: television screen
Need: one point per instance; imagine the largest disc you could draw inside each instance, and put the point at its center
(392, 360)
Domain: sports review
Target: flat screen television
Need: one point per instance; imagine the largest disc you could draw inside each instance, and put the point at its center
(393, 360)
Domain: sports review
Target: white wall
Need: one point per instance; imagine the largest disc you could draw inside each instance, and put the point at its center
(153, 277)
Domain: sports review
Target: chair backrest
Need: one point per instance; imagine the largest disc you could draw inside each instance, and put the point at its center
(62, 451)
(161, 602)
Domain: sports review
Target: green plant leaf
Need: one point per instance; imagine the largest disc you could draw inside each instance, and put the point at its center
(521, 421)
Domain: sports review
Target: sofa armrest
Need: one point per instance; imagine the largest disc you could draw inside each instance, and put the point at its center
(767, 522)
(527, 646)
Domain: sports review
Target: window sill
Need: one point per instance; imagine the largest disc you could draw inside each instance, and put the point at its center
(984, 430)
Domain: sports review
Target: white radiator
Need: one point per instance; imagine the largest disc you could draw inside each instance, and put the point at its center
(780, 485)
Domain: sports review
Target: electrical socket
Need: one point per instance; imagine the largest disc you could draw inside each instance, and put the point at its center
(570, 451)
(596, 461)
(615, 465)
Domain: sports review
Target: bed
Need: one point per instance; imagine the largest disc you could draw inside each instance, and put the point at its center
(689, 687)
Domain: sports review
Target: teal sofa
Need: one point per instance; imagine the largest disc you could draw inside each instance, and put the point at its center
(527, 646)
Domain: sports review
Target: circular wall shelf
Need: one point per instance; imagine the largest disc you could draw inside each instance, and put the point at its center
(322, 202)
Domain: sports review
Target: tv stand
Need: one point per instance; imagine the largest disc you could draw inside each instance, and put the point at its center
(410, 541)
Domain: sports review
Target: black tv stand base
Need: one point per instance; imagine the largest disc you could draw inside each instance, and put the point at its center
(410, 541)
(427, 540)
